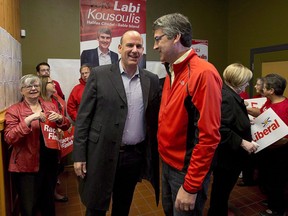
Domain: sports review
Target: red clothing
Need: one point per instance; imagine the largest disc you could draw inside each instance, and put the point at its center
(244, 95)
(26, 140)
(59, 103)
(179, 130)
(58, 89)
(258, 96)
(74, 99)
(281, 109)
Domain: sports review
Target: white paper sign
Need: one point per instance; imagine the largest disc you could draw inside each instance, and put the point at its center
(255, 103)
(267, 129)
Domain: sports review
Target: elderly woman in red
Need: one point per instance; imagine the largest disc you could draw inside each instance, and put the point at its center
(33, 165)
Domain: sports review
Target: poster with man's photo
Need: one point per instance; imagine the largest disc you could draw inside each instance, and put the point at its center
(102, 23)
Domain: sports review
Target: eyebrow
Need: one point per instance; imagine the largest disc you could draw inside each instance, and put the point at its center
(132, 44)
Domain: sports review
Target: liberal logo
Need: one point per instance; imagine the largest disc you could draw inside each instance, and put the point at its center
(266, 122)
(269, 127)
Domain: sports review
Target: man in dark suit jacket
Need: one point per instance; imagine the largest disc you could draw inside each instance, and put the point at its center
(115, 143)
(100, 55)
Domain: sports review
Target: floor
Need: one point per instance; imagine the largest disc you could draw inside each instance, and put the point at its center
(244, 201)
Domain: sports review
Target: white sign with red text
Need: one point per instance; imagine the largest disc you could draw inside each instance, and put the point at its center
(267, 129)
(255, 103)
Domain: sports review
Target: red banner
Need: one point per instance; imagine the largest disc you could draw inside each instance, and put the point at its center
(119, 16)
(49, 131)
(66, 142)
(55, 138)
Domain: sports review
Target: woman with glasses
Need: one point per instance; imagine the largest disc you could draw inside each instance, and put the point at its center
(48, 93)
(33, 165)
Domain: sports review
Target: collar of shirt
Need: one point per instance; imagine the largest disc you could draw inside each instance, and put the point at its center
(101, 53)
(180, 59)
(123, 71)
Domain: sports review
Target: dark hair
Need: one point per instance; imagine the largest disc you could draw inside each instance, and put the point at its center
(42, 63)
(174, 24)
(275, 81)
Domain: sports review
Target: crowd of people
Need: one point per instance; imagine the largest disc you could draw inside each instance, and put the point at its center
(197, 124)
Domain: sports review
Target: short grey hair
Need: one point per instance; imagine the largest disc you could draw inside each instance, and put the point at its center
(174, 24)
(28, 80)
(104, 31)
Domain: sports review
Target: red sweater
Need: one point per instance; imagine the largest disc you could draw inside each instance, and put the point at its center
(188, 144)
(74, 99)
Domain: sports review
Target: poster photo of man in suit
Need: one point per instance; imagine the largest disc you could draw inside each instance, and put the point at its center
(101, 55)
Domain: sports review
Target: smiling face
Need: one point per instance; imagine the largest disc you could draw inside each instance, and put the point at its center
(31, 90)
(131, 49)
(104, 42)
(259, 86)
(165, 47)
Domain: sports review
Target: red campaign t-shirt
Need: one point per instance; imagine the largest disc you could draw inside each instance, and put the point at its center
(281, 109)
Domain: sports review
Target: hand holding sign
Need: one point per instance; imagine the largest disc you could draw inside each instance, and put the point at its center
(250, 147)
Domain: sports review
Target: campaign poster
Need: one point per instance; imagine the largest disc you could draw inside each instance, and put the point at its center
(118, 16)
(267, 129)
(201, 48)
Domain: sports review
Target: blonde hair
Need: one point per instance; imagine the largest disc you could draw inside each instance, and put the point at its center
(236, 75)
(43, 91)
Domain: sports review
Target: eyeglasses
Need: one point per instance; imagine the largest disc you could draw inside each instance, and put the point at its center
(43, 70)
(29, 87)
(158, 38)
(52, 82)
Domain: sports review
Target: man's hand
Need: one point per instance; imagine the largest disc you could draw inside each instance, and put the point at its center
(184, 200)
(80, 169)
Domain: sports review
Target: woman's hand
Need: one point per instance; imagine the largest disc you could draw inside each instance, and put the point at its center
(35, 116)
(250, 147)
(55, 117)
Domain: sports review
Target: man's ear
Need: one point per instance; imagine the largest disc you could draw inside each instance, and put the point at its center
(119, 48)
(177, 38)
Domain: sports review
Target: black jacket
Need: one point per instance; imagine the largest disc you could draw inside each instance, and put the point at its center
(235, 126)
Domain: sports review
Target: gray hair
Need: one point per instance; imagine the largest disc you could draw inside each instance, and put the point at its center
(104, 31)
(28, 80)
(174, 24)
(275, 81)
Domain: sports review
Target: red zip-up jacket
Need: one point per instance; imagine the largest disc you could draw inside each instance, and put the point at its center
(189, 119)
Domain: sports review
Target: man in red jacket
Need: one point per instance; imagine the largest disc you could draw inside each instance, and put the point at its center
(189, 118)
(75, 97)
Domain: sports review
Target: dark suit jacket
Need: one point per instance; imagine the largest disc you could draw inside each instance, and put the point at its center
(91, 57)
(235, 126)
(99, 128)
